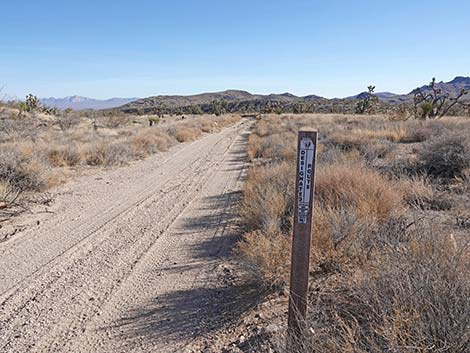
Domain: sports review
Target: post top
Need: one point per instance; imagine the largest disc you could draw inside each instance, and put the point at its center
(311, 133)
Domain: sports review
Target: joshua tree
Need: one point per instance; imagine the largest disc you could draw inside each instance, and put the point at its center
(366, 104)
(432, 103)
(218, 107)
(32, 103)
(161, 109)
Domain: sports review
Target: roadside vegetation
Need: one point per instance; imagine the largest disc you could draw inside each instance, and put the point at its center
(390, 257)
(40, 148)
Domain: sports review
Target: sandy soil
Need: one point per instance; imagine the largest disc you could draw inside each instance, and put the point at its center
(128, 260)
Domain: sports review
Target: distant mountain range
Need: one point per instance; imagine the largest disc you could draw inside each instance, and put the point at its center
(237, 99)
(83, 103)
(228, 96)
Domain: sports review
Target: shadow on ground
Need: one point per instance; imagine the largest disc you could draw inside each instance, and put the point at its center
(222, 222)
(184, 315)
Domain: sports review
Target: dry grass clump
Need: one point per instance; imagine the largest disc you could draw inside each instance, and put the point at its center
(18, 176)
(19, 172)
(254, 147)
(445, 156)
(418, 191)
(6, 193)
(184, 133)
(267, 197)
(355, 186)
(353, 203)
(354, 138)
(267, 256)
(150, 141)
(64, 155)
(280, 146)
(107, 154)
(67, 121)
(190, 130)
(462, 183)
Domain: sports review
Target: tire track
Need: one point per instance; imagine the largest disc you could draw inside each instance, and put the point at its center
(103, 332)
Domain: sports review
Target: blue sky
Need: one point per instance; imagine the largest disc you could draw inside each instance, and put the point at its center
(138, 48)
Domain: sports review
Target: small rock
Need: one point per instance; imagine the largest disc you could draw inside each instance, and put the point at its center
(272, 329)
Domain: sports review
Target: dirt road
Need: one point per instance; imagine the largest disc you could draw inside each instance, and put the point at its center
(128, 260)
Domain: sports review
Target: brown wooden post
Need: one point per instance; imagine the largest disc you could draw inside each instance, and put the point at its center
(304, 186)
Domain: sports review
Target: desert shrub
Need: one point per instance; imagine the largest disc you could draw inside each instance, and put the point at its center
(462, 184)
(272, 147)
(444, 156)
(149, 141)
(18, 173)
(353, 205)
(376, 150)
(346, 141)
(420, 131)
(254, 147)
(357, 137)
(114, 120)
(21, 128)
(263, 128)
(7, 194)
(279, 146)
(64, 155)
(184, 133)
(419, 134)
(418, 191)
(67, 120)
(372, 145)
(207, 126)
(108, 154)
(400, 112)
(392, 133)
(267, 256)
(268, 198)
(328, 155)
(356, 186)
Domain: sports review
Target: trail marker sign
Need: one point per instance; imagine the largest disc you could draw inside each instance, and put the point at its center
(304, 178)
(305, 185)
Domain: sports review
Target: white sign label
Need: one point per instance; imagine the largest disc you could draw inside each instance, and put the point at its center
(305, 164)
